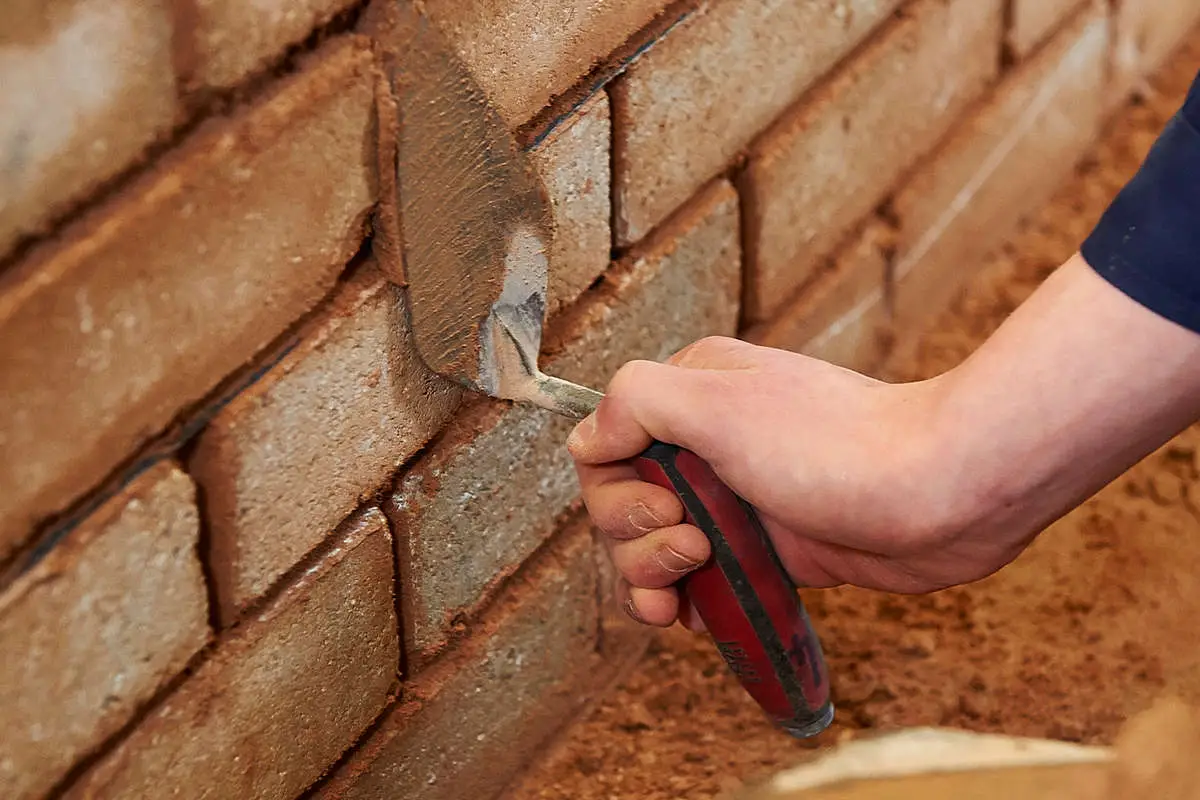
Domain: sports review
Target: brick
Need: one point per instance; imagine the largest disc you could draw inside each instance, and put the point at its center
(1003, 162)
(293, 455)
(148, 304)
(525, 52)
(843, 317)
(529, 666)
(824, 166)
(1146, 33)
(1032, 21)
(107, 66)
(228, 40)
(281, 698)
(686, 108)
(574, 163)
(622, 642)
(488, 492)
(97, 626)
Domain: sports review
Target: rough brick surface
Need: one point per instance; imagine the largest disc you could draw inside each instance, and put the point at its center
(1146, 33)
(163, 292)
(291, 456)
(85, 86)
(1033, 20)
(686, 108)
(469, 724)
(487, 494)
(96, 627)
(622, 641)
(230, 39)
(827, 164)
(842, 318)
(574, 163)
(524, 52)
(1002, 163)
(279, 701)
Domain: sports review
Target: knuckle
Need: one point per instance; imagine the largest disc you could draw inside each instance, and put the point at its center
(629, 375)
(704, 351)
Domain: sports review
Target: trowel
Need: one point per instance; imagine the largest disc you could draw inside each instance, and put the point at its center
(476, 228)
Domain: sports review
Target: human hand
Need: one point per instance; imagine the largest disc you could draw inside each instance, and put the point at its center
(850, 476)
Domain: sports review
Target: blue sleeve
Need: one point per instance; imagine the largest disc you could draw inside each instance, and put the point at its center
(1147, 244)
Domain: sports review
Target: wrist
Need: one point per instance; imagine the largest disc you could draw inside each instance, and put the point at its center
(967, 481)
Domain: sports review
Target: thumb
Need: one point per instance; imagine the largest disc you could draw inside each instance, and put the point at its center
(648, 401)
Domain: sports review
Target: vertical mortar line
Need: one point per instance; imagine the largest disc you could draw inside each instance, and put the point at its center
(1111, 8)
(1006, 56)
(613, 169)
(397, 598)
(747, 242)
(885, 212)
(185, 22)
(598, 588)
(204, 547)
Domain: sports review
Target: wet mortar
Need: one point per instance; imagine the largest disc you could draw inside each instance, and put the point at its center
(1088, 627)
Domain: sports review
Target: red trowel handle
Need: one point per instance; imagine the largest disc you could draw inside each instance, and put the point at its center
(745, 597)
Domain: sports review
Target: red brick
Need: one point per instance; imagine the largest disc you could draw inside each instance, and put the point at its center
(823, 167)
(1003, 162)
(230, 39)
(279, 700)
(96, 627)
(161, 293)
(1146, 33)
(85, 86)
(1032, 21)
(489, 491)
(574, 163)
(471, 722)
(686, 108)
(842, 318)
(524, 53)
(293, 455)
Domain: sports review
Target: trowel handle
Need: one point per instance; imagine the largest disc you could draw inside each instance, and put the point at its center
(745, 597)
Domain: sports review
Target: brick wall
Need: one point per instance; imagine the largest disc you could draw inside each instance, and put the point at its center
(250, 546)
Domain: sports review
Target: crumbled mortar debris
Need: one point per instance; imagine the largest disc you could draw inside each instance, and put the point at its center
(1091, 625)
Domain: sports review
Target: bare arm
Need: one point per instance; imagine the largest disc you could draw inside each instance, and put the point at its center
(909, 487)
(1079, 384)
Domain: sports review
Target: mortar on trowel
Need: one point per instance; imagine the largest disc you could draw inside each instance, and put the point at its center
(476, 228)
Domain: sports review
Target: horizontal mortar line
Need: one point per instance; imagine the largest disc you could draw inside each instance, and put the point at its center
(396, 697)
(809, 98)
(1081, 10)
(205, 654)
(175, 436)
(99, 751)
(440, 665)
(962, 200)
(734, 170)
(535, 131)
(556, 744)
(198, 108)
(495, 592)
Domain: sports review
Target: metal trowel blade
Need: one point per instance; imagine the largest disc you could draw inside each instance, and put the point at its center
(476, 227)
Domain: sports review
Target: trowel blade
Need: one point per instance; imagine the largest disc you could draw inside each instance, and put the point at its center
(475, 221)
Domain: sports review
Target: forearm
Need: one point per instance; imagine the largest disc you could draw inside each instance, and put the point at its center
(1079, 384)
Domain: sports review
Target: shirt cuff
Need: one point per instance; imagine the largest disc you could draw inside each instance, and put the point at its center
(1147, 244)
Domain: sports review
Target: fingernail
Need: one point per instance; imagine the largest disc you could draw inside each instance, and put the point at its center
(643, 519)
(582, 433)
(632, 611)
(674, 561)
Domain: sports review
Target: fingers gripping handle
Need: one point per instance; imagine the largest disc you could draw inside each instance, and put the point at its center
(745, 597)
